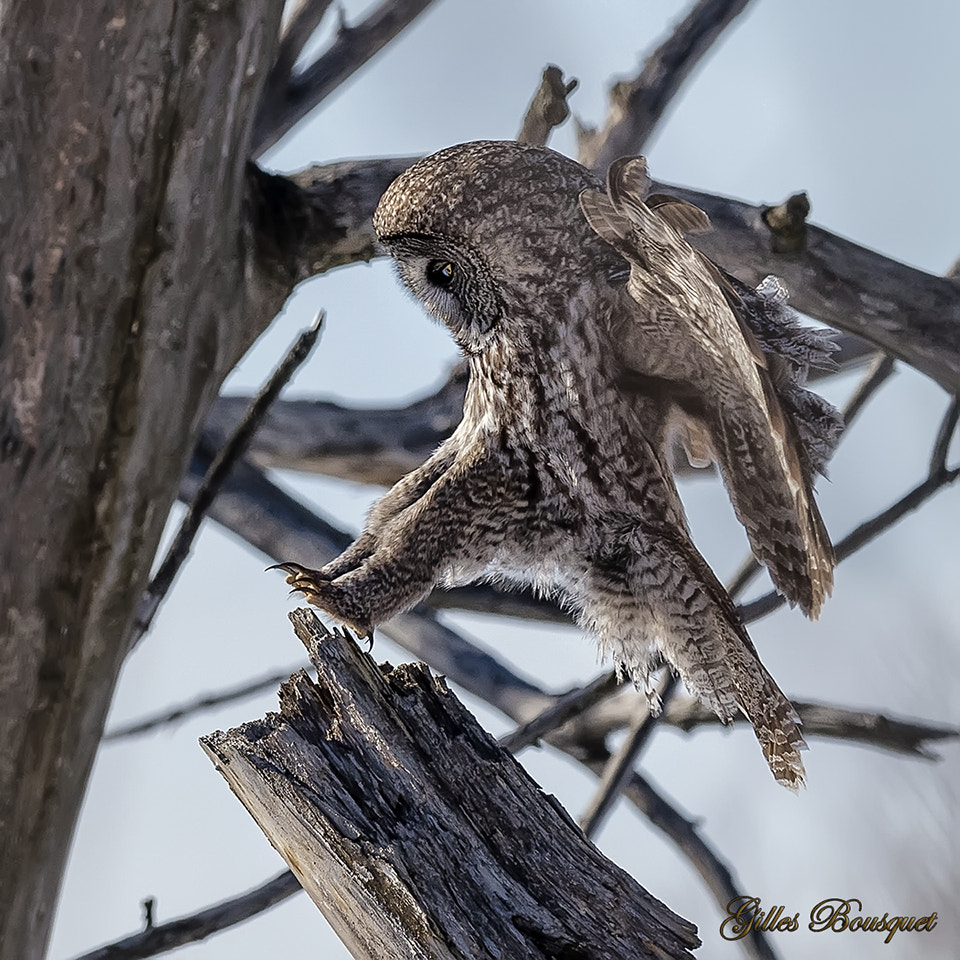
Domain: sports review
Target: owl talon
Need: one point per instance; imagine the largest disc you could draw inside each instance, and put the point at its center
(303, 580)
(321, 591)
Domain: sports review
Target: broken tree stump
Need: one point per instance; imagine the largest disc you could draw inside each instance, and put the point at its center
(416, 834)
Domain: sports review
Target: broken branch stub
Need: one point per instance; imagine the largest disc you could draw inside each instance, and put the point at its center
(416, 834)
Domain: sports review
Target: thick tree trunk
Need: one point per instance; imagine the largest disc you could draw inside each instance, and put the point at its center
(125, 297)
(416, 834)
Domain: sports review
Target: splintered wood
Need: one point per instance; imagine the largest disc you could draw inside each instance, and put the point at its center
(416, 834)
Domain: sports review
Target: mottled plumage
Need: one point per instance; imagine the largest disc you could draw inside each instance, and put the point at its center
(593, 330)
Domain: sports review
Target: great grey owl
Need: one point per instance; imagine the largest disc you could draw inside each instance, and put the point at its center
(594, 332)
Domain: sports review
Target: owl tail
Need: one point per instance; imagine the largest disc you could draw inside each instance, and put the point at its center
(775, 720)
(659, 600)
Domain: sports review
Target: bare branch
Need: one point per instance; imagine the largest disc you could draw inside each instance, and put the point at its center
(379, 446)
(368, 446)
(198, 705)
(911, 314)
(868, 530)
(564, 708)
(878, 374)
(748, 570)
(861, 727)
(301, 27)
(214, 478)
(637, 106)
(619, 768)
(548, 108)
(717, 876)
(938, 459)
(570, 715)
(318, 219)
(198, 926)
(351, 49)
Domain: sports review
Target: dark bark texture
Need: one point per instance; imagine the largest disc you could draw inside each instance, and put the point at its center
(371, 784)
(125, 297)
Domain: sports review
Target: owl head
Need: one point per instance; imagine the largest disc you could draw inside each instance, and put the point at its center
(484, 232)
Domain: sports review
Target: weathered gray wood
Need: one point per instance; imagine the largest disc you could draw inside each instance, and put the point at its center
(127, 291)
(416, 834)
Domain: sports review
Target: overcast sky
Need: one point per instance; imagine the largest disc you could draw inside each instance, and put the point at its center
(852, 101)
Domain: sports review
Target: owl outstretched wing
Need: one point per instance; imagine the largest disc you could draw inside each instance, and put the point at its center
(732, 361)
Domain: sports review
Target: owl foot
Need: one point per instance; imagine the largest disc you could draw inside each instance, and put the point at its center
(322, 592)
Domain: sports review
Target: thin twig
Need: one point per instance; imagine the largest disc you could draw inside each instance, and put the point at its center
(869, 530)
(160, 938)
(877, 374)
(637, 106)
(861, 727)
(619, 768)
(199, 705)
(222, 464)
(351, 49)
(548, 108)
(938, 459)
(296, 35)
(564, 708)
(744, 576)
(717, 876)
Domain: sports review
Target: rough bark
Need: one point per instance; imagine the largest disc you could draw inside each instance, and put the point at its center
(127, 291)
(418, 836)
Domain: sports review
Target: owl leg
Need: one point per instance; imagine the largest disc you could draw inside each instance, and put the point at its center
(654, 595)
(405, 492)
(451, 530)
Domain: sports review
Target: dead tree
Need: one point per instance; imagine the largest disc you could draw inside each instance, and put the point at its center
(416, 834)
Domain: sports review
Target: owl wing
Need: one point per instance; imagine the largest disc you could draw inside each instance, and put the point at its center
(681, 332)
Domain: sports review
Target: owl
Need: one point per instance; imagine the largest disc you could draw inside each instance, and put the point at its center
(596, 334)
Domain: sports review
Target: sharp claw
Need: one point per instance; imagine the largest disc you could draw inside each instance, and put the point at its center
(308, 583)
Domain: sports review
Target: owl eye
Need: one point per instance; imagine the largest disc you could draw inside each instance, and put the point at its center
(440, 273)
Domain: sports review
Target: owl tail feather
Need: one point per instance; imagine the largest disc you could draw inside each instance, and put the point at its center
(776, 724)
(654, 599)
(737, 675)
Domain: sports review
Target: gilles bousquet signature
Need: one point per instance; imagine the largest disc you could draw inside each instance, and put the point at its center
(834, 915)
